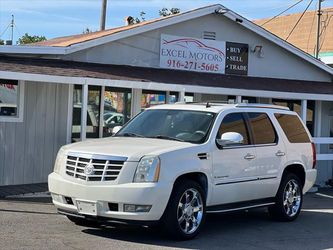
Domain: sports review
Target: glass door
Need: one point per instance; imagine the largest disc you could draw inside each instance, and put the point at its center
(93, 112)
(117, 108)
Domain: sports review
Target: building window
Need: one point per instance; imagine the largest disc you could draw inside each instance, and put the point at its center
(151, 98)
(11, 100)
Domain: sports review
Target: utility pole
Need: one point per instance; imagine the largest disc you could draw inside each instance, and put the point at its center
(318, 28)
(103, 15)
(12, 27)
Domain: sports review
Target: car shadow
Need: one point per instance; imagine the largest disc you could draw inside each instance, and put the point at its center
(218, 227)
(251, 229)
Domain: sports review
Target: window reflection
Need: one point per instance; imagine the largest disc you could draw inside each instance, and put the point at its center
(117, 109)
(8, 97)
(93, 110)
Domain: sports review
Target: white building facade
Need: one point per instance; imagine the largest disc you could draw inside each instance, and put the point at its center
(80, 87)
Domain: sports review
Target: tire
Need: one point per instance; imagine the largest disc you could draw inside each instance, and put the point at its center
(288, 200)
(83, 222)
(186, 210)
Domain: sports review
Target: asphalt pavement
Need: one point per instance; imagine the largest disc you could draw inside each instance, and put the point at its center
(32, 223)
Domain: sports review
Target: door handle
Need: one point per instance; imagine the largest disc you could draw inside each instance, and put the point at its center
(249, 157)
(280, 153)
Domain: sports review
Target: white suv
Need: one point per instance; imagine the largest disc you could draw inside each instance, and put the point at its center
(173, 164)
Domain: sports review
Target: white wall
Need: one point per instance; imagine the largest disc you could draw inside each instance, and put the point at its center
(143, 50)
(28, 148)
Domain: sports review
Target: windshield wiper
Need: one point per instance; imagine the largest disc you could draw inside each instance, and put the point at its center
(128, 134)
(166, 137)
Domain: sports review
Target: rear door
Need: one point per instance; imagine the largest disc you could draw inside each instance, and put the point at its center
(270, 153)
(233, 166)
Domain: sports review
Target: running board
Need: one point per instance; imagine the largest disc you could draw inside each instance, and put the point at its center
(240, 206)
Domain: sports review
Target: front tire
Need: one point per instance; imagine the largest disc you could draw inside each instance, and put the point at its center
(186, 210)
(289, 199)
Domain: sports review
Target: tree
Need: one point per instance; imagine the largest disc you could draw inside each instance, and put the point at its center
(133, 20)
(166, 12)
(163, 13)
(2, 42)
(26, 39)
(87, 31)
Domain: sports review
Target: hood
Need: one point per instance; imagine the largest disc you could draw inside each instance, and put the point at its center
(132, 148)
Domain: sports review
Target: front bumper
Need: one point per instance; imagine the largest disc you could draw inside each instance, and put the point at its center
(154, 194)
(310, 179)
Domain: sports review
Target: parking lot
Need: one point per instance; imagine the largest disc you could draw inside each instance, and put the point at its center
(32, 223)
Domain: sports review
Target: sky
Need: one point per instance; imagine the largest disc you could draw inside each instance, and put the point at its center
(55, 18)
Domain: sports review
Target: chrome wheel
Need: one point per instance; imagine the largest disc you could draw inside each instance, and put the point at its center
(190, 211)
(292, 198)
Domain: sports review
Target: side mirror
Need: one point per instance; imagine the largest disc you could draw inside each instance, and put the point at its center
(230, 139)
(116, 129)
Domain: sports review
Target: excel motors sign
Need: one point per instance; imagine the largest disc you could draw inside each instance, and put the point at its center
(192, 54)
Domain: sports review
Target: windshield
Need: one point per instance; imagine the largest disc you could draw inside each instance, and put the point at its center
(180, 125)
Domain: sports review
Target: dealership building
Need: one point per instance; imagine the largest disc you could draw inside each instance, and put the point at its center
(78, 87)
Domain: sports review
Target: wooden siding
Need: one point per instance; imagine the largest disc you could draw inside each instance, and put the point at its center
(28, 149)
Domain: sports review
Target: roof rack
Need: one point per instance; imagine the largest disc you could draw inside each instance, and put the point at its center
(208, 103)
(259, 105)
(237, 105)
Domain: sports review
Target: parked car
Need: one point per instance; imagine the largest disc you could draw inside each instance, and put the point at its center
(173, 164)
(112, 119)
(8, 109)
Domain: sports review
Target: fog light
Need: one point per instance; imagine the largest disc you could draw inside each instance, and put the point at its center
(137, 208)
(57, 198)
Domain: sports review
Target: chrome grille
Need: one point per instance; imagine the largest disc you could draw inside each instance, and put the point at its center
(102, 168)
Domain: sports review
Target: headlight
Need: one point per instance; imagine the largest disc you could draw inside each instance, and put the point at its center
(148, 169)
(60, 160)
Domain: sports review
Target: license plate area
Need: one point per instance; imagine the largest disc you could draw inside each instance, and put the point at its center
(86, 207)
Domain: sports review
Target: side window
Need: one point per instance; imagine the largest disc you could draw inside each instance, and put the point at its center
(262, 128)
(234, 123)
(11, 100)
(293, 128)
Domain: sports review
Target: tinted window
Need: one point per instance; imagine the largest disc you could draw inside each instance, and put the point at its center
(234, 123)
(293, 128)
(262, 128)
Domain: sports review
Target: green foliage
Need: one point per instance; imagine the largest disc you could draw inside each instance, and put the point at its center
(26, 39)
(163, 13)
(166, 12)
(2, 42)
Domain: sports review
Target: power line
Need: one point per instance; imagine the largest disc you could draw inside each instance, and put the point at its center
(323, 33)
(313, 19)
(5, 30)
(290, 7)
(299, 19)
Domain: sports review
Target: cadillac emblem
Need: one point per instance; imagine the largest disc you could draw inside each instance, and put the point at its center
(89, 169)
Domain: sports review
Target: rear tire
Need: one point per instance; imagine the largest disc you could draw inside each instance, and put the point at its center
(288, 200)
(186, 210)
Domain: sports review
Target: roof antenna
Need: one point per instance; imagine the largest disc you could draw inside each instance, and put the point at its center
(208, 105)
